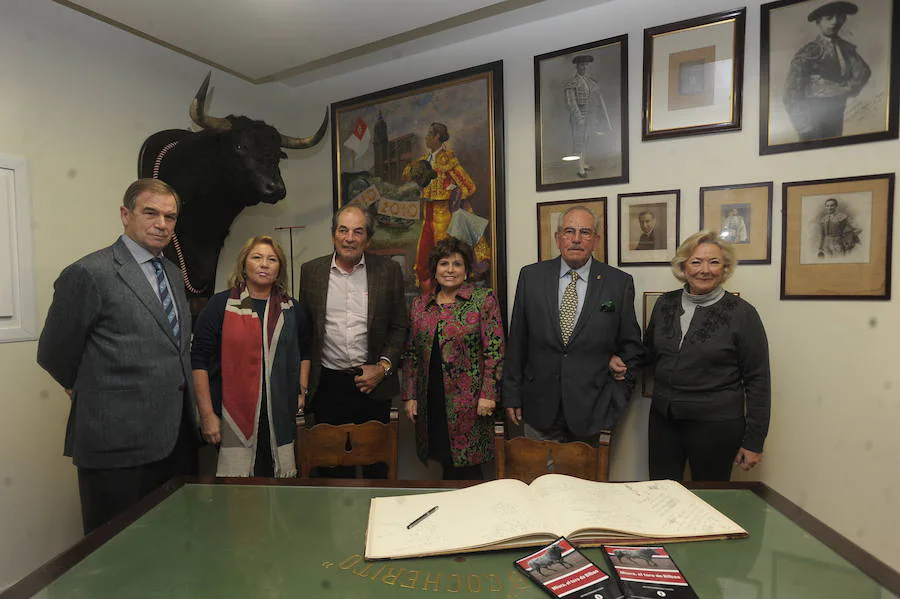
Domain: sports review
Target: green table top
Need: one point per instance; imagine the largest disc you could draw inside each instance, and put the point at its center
(255, 541)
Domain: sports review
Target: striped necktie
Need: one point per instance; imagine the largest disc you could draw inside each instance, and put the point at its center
(166, 298)
(568, 308)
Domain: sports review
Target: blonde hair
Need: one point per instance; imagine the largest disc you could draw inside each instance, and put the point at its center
(690, 245)
(237, 274)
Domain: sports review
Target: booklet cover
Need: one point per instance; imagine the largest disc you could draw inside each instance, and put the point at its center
(648, 573)
(563, 571)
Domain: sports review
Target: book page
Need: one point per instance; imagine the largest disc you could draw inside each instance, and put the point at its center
(656, 508)
(466, 518)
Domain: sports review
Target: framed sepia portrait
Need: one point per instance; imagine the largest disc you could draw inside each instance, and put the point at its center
(648, 227)
(742, 214)
(693, 76)
(581, 115)
(426, 160)
(548, 218)
(828, 73)
(837, 238)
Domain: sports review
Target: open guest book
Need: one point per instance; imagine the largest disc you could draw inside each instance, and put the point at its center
(507, 513)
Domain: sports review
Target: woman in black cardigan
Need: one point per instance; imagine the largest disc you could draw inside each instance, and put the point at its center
(712, 390)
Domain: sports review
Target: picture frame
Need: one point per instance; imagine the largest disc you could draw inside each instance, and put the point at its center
(836, 238)
(799, 107)
(548, 214)
(743, 215)
(581, 115)
(380, 161)
(694, 76)
(648, 227)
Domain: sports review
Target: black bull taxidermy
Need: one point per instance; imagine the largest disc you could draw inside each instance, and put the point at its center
(217, 172)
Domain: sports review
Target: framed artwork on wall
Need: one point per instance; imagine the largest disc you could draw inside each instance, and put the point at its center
(648, 227)
(693, 76)
(743, 215)
(836, 238)
(581, 115)
(426, 160)
(548, 217)
(828, 73)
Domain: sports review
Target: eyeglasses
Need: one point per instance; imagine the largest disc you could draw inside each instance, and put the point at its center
(571, 233)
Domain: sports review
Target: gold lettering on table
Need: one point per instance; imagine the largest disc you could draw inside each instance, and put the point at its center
(473, 582)
(429, 581)
(455, 585)
(390, 577)
(378, 573)
(518, 581)
(413, 579)
(327, 564)
(365, 571)
(496, 585)
(350, 561)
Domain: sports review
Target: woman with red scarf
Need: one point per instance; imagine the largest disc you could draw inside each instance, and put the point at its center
(250, 367)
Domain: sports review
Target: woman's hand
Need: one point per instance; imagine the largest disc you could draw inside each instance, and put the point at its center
(411, 408)
(210, 428)
(747, 459)
(485, 407)
(617, 367)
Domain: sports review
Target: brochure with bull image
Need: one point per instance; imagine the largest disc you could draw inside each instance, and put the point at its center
(563, 571)
(507, 513)
(648, 573)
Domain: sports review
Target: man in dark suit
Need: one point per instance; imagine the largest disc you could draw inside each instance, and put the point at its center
(359, 321)
(565, 330)
(117, 338)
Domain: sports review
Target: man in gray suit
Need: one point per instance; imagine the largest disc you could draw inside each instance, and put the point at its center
(565, 330)
(359, 322)
(117, 338)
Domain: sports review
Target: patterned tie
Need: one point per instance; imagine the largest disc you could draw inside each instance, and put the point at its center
(568, 308)
(165, 297)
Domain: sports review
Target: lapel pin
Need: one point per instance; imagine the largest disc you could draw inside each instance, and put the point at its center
(599, 277)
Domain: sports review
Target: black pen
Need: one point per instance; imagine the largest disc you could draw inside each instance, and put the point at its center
(422, 517)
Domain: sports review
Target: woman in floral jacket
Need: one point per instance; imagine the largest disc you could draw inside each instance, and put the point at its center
(453, 366)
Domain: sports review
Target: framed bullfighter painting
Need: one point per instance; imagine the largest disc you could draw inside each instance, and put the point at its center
(426, 160)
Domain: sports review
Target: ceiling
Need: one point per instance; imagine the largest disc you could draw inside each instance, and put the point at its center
(298, 41)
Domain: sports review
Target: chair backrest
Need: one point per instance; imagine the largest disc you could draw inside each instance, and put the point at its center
(526, 459)
(333, 445)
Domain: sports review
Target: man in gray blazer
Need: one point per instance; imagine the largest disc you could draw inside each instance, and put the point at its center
(565, 329)
(357, 306)
(117, 338)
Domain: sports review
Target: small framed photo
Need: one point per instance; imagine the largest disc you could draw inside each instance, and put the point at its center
(648, 227)
(837, 238)
(693, 76)
(581, 115)
(743, 215)
(548, 217)
(828, 73)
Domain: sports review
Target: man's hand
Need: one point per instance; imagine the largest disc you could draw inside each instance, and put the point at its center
(210, 428)
(371, 377)
(485, 407)
(747, 459)
(617, 368)
(514, 414)
(411, 408)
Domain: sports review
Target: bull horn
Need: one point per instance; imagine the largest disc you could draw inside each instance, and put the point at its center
(298, 143)
(198, 110)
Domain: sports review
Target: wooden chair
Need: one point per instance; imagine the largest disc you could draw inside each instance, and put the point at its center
(332, 445)
(526, 459)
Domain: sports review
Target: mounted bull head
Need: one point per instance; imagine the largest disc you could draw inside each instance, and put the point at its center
(231, 164)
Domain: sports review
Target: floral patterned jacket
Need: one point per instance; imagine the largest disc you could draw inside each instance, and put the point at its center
(470, 335)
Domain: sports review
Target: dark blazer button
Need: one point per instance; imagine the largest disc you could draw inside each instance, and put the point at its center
(182, 387)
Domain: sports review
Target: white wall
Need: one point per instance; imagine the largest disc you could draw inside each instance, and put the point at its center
(79, 97)
(836, 406)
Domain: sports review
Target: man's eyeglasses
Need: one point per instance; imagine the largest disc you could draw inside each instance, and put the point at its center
(571, 233)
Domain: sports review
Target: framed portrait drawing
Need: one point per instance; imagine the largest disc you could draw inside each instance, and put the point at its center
(648, 227)
(743, 215)
(837, 238)
(548, 217)
(581, 115)
(828, 73)
(426, 160)
(693, 76)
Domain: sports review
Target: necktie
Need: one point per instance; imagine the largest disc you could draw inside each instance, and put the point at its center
(166, 298)
(568, 308)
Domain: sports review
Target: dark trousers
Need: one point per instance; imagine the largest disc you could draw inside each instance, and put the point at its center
(338, 401)
(451, 472)
(708, 446)
(106, 492)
